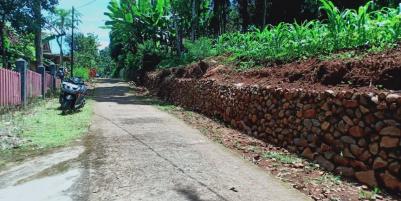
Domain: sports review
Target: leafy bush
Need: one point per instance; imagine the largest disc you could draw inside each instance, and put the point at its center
(348, 29)
(82, 73)
(195, 51)
(169, 61)
(149, 47)
(199, 49)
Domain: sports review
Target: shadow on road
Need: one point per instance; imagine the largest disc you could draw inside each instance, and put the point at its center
(120, 93)
(189, 194)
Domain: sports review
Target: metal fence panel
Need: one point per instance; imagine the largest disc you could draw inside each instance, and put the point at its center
(10, 88)
(34, 84)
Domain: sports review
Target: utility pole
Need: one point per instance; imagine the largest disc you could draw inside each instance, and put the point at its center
(72, 42)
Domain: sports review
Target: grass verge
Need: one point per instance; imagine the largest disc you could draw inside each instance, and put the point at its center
(38, 129)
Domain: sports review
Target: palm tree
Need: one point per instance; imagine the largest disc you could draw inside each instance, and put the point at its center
(60, 23)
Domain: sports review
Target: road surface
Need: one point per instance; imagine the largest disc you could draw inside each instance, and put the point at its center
(136, 152)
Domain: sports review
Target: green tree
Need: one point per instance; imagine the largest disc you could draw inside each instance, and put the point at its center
(60, 22)
(106, 64)
(134, 23)
(39, 22)
(10, 12)
(37, 14)
(18, 14)
(85, 49)
(220, 16)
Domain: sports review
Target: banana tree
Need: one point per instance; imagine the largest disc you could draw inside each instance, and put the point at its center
(133, 23)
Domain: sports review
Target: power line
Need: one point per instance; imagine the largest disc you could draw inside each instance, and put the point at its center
(87, 4)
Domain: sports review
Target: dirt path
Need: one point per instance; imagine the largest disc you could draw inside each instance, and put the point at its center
(136, 152)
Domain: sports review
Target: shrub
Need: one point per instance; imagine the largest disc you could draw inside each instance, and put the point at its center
(81, 73)
(199, 49)
(195, 51)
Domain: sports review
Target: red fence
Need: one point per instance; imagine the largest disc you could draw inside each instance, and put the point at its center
(58, 83)
(33, 84)
(48, 81)
(10, 87)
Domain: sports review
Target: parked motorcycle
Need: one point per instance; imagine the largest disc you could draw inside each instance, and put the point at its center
(72, 95)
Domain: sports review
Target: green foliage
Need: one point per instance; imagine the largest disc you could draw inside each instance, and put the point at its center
(153, 28)
(171, 61)
(132, 23)
(362, 28)
(82, 73)
(199, 49)
(369, 195)
(105, 62)
(328, 178)
(149, 47)
(20, 45)
(282, 158)
(49, 129)
(159, 27)
(85, 50)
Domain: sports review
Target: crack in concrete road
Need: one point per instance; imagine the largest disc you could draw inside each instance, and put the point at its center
(167, 160)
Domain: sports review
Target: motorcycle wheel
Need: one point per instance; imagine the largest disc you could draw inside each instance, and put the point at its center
(65, 107)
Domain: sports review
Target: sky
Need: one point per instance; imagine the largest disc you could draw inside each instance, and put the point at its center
(92, 18)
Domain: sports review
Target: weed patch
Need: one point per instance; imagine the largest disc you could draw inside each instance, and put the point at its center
(282, 158)
(40, 128)
(328, 178)
(369, 195)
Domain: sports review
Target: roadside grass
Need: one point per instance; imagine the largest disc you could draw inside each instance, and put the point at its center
(328, 178)
(369, 195)
(282, 158)
(47, 128)
(42, 128)
(166, 107)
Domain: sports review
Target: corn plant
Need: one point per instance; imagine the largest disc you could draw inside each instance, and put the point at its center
(348, 29)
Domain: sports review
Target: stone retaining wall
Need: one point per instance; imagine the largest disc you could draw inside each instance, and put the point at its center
(352, 134)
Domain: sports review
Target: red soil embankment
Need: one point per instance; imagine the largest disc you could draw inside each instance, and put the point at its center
(327, 111)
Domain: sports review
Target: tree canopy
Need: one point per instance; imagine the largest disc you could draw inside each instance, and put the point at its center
(16, 20)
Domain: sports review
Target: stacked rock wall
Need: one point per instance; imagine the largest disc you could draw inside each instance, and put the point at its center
(353, 134)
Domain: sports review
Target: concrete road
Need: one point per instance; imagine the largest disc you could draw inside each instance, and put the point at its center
(137, 152)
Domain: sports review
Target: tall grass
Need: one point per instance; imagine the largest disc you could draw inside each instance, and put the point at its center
(348, 29)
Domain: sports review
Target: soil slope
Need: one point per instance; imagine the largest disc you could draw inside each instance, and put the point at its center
(370, 72)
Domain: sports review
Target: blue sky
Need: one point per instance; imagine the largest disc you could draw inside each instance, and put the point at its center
(92, 18)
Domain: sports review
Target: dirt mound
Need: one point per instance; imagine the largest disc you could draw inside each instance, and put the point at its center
(197, 70)
(390, 78)
(371, 72)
